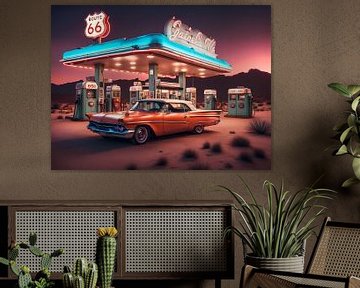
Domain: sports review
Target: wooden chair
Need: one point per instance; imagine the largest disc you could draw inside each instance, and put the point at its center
(335, 262)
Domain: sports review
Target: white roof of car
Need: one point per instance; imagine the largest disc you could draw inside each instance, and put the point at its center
(166, 100)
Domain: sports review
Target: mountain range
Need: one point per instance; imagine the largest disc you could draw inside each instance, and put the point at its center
(258, 81)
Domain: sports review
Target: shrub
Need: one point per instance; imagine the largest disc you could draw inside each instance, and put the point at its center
(131, 167)
(232, 132)
(55, 106)
(60, 117)
(240, 142)
(189, 154)
(216, 148)
(259, 153)
(206, 145)
(245, 157)
(162, 161)
(228, 165)
(260, 127)
(199, 166)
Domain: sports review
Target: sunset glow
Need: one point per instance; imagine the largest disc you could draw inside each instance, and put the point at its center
(242, 34)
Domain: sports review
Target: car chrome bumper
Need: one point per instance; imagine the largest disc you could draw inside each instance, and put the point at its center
(111, 130)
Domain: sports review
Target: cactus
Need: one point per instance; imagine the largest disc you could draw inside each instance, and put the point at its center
(105, 254)
(43, 274)
(42, 278)
(24, 280)
(80, 268)
(57, 252)
(36, 251)
(68, 280)
(79, 282)
(45, 261)
(32, 239)
(4, 261)
(13, 253)
(90, 272)
(91, 276)
(14, 268)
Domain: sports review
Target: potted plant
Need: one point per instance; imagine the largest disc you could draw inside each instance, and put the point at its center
(42, 278)
(276, 233)
(348, 132)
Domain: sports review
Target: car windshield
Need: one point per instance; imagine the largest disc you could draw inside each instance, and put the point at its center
(147, 106)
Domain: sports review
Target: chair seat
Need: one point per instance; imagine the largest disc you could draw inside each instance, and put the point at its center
(314, 282)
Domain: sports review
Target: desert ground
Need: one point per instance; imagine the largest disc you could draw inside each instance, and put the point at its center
(228, 145)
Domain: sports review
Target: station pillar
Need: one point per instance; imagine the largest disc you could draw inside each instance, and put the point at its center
(99, 79)
(153, 76)
(182, 84)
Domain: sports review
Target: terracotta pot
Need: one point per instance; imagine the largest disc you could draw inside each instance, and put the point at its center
(291, 264)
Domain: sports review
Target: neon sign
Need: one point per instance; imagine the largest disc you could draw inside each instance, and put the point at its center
(97, 26)
(181, 33)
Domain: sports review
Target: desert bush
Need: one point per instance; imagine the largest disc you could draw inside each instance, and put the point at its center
(200, 166)
(55, 106)
(260, 127)
(162, 161)
(245, 157)
(240, 142)
(206, 145)
(189, 154)
(228, 165)
(216, 148)
(131, 167)
(259, 153)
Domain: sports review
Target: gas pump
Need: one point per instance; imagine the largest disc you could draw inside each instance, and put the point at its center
(165, 94)
(210, 99)
(145, 94)
(113, 98)
(85, 99)
(240, 102)
(135, 94)
(190, 95)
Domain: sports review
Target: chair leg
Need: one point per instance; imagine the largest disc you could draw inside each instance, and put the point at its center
(246, 276)
(217, 283)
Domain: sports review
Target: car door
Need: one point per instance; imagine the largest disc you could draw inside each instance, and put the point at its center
(175, 118)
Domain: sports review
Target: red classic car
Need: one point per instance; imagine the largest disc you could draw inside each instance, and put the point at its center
(153, 117)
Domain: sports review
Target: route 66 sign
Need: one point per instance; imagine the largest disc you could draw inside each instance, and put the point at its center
(97, 25)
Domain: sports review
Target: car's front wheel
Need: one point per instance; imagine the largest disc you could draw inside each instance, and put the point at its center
(198, 129)
(141, 135)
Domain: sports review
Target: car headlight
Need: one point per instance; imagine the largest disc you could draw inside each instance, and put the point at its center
(120, 128)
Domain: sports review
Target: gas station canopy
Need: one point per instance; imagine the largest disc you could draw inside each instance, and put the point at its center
(136, 54)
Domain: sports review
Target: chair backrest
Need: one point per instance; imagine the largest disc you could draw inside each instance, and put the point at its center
(337, 251)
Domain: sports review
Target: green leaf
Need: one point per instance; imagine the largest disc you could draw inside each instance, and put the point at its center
(354, 146)
(356, 167)
(342, 150)
(4, 261)
(345, 134)
(351, 120)
(355, 103)
(349, 182)
(340, 88)
(353, 89)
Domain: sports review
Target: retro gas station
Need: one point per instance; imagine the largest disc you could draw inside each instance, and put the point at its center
(180, 52)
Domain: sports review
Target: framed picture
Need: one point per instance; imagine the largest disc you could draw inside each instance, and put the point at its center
(137, 87)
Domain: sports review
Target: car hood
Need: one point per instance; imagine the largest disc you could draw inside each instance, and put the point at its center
(114, 117)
